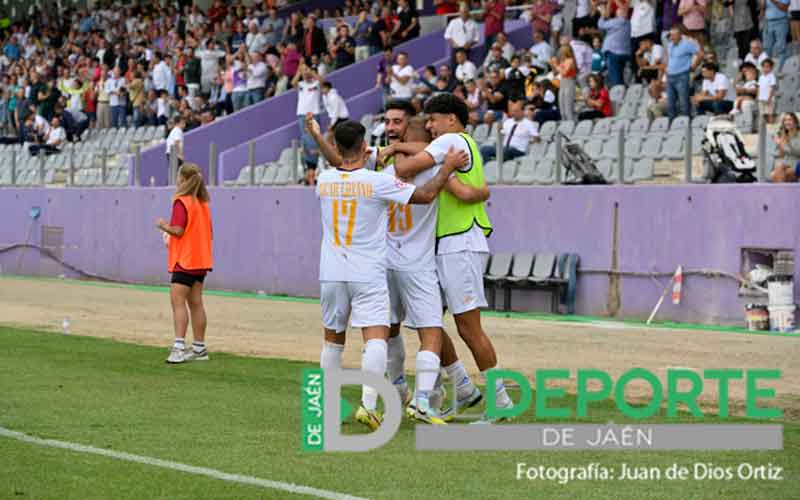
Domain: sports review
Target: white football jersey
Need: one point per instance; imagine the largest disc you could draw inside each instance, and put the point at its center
(412, 231)
(354, 222)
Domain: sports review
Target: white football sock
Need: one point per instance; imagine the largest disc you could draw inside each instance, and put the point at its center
(331, 356)
(395, 364)
(373, 360)
(502, 398)
(427, 371)
(458, 375)
(198, 347)
(179, 344)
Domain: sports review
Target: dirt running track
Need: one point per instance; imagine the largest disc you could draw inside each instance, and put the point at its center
(287, 329)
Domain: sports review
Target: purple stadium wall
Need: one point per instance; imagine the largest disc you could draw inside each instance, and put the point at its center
(268, 238)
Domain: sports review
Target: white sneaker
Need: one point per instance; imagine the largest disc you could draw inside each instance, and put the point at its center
(191, 355)
(176, 356)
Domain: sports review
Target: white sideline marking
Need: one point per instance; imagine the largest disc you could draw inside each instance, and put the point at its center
(167, 464)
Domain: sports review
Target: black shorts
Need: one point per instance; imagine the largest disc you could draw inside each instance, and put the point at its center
(795, 15)
(187, 279)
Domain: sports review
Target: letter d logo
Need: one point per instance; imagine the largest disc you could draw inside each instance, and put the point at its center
(333, 382)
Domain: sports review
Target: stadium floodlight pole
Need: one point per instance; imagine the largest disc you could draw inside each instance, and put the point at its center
(137, 165)
(762, 150)
(687, 157)
(212, 163)
(251, 152)
(621, 156)
(558, 158)
(295, 159)
(41, 167)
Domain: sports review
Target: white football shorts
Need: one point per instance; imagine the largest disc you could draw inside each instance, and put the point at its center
(364, 304)
(461, 277)
(415, 299)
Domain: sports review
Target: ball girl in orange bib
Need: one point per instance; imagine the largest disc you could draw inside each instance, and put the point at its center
(188, 237)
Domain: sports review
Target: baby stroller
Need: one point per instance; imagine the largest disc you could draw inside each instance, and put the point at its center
(725, 159)
(578, 163)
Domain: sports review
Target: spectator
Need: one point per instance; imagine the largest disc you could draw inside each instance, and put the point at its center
(474, 98)
(362, 33)
(493, 20)
(192, 72)
(746, 89)
(766, 91)
(308, 101)
(240, 96)
(693, 13)
(669, 19)
(598, 61)
(598, 100)
(401, 78)
(162, 108)
(465, 69)
(444, 7)
(334, 105)
(616, 44)
(794, 16)
(257, 74)
(161, 73)
(462, 32)
(344, 46)
(494, 60)
(583, 56)
(717, 95)
(518, 133)
(683, 57)
(515, 77)
(217, 12)
(776, 28)
(384, 29)
(787, 140)
(652, 59)
(313, 38)
(407, 23)
(643, 25)
(756, 56)
(136, 95)
(54, 138)
(446, 74)
(541, 52)
(507, 47)
(175, 141)
(209, 64)
(742, 24)
(272, 27)
(540, 15)
(567, 72)
(291, 60)
(545, 102)
(495, 94)
(255, 40)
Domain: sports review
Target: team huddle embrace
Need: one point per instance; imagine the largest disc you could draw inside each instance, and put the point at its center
(404, 236)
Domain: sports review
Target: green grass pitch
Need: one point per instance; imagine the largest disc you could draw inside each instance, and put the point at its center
(241, 415)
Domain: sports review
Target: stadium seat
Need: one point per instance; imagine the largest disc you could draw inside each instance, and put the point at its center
(499, 267)
(537, 150)
(633, 147)
(617, 94)
(270, 173)
(550, 154)
(602, 128)
(651, 148)
(244, 176)
(660, 126)
(643, 169)
(610, 149)
(584, 129)
(518, 276)
(566, 127)
(674, 147)
(481, 133)
(791, 66)
(744, 122)
(544, 172)
(490, 172)
(594, 148)
(679, 123)
(548, 130)
(701, 122)
(283, 175)
(543, 266)
(606, 167)
(639, 126)
(526, 173)
(509, 170)
(620, 124)
(634, 93)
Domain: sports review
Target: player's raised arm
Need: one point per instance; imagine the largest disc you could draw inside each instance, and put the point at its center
(410, 166)
(467, 193)
(453, 160)
(327, 149)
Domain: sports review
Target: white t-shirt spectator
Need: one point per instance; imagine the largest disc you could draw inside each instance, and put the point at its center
(466, 71)
(720, 82)
(161, 76)
(162, 107)
(56, 136)
(308, 94)
(508, 51)
(256, 42)
(542, 52)
(335, 106)
(402, 90)
(583, 56)
(524, 132)
(755, 61)
(582, 10)
(256, 76)
(656, 55)
(114, 85)
(643, 19)
(175, 137)
(460, 32)
(765, 85)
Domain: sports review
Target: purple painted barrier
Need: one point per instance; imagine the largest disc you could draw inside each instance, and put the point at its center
(659, 227)
(276, 112)
(270, 145)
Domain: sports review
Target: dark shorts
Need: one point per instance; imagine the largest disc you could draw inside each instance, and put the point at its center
(795, 15)
(187, 279)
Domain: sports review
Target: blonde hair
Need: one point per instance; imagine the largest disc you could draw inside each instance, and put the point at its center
(193, 183)
(565, 52)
